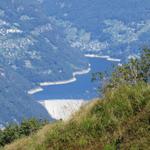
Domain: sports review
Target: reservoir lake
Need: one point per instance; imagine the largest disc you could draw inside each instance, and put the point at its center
(83, 88)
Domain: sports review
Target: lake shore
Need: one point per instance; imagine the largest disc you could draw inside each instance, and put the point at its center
(103, 56)
(35, 90)
(74, 74)
(73, 79)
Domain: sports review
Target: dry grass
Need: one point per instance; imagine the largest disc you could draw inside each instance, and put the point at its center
(121, 119)
(31, 141)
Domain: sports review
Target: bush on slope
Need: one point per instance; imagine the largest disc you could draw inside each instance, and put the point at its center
(25, 128)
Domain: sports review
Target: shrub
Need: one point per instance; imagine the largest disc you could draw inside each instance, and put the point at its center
(15, 131)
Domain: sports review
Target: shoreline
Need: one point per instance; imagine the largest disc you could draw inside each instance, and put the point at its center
(35, 90)
(74, 74)
(73, 79)
(103, 56)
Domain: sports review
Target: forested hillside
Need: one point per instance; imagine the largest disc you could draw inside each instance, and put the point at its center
(32, 50)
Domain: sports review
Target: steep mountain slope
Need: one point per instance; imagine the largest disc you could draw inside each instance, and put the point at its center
(34, 46)
(119, 28)
(32, 50)
(15, 104)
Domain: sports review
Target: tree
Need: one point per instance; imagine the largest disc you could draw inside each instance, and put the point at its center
(15, 131)
(136, 70)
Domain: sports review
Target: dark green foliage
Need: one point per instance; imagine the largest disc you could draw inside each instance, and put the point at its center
(145, 65)
(30, 126)
(136, 70)
(15, 131)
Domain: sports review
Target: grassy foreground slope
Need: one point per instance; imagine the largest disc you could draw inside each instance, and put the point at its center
(120, 120)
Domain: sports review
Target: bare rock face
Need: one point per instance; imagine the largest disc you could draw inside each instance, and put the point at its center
(62, 109)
